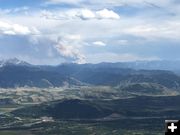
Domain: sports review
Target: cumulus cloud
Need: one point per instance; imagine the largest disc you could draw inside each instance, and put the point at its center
(107, 14)
(99, 43)
(68, 50)
(84, 14)
(16, 29)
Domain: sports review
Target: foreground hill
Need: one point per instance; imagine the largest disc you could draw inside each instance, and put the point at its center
(65, 109)
(138, 107)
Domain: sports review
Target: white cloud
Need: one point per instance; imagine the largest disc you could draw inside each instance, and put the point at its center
(99, 43)
(16, 29)
(84, 14)
(107, 14)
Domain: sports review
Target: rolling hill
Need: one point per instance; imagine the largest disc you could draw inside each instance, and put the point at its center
(130, 108)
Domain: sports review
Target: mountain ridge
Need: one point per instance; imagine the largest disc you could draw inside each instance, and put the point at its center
(17, 73)
(148, 65)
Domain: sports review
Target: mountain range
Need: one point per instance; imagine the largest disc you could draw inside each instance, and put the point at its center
(16, 73)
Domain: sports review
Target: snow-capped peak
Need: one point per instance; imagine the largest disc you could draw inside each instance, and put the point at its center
(13, 61)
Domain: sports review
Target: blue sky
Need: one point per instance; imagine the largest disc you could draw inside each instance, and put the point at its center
(81, 31)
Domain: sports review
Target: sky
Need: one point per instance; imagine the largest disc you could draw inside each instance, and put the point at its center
(89, 31)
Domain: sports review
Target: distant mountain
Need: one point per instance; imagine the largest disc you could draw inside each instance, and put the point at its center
(16, 73)
(12, 76)
(13, 61)
(138, 65)
(147, 65)
(113, 76)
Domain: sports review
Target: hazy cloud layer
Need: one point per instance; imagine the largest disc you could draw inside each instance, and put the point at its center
(84, 14)
(56, 31)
